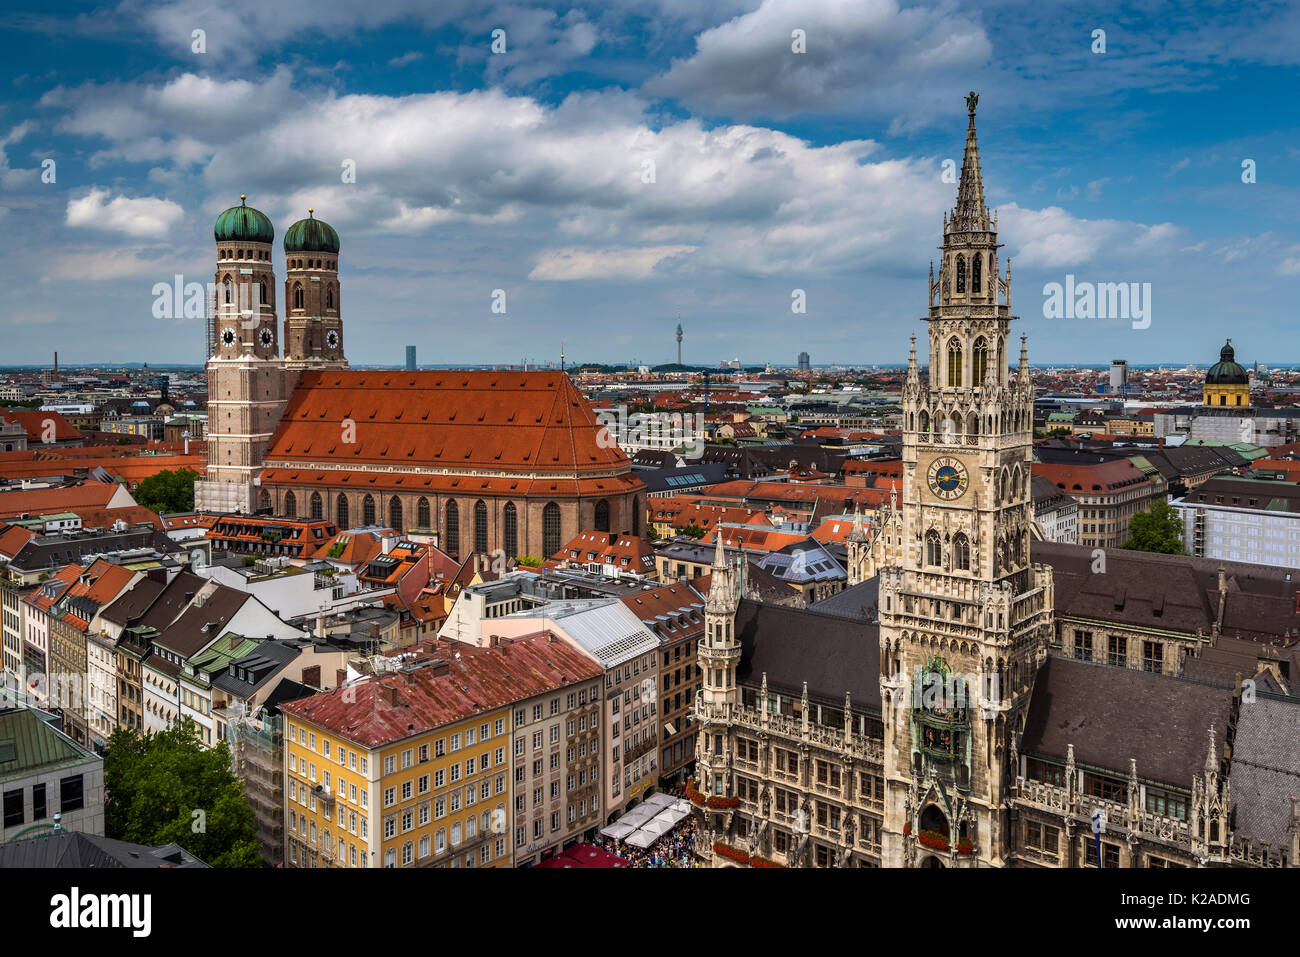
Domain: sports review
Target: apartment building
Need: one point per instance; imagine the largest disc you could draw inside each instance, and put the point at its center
(412, 766)
(1243, 520)
(1109, 495)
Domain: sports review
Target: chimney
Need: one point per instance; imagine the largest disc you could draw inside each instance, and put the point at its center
(493, 641)
(340, 677)
(320, 625)
(311, 676)
(387, 543)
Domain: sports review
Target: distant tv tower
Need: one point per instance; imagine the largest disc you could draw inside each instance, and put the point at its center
(679, 337)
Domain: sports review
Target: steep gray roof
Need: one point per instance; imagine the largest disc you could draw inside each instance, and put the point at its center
(1265, 770)
(75, 849)
(1113, 714)
(793, 645)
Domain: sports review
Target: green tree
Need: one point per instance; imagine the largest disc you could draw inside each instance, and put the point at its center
(156, 785)
(529, 561)
(650, 533)
(1159, 529)
(694, 531)
(168, 491)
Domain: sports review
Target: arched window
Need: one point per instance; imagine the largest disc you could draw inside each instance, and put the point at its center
(975, 273)
(550, 530)
(602, 516)
(954, 363)
(933, 548)
(290, 505)
(341, 511)
(510, 539)
(264, 500)
(480, 527)
(368, 510)
(980, 360)
(329, 298)
(923, 422)
(455, 834)
(261, 293)
(960, 552)
(408, 853)
(316, 507)
(297, 296)
(440, 841)
(961, 273)
(229, 288)
(451, 530)
(422, 513)
(395, 514)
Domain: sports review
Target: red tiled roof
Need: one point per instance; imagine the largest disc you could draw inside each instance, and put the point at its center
(1090, 478)
(533, 421)
(35, 422)
(450, 484)
(392, 707)
(13, 538)
(610, 548)
(46, 501)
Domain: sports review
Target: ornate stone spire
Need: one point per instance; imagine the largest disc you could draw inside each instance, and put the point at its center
(970, 214)
(857, 533)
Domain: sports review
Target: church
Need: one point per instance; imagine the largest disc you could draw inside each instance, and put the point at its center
(978, 699)
(483, 461)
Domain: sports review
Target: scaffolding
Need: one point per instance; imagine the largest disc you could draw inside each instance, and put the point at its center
(257, 756)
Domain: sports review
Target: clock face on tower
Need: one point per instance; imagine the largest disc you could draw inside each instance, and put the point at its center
(228, 337)
(948, 478)
(265, 338)
(332, 339)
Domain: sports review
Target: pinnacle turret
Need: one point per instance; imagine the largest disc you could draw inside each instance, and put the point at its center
(970, 214)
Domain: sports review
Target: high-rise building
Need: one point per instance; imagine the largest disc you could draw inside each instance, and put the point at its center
(1119, 375)
(804, 364)
(410, 358)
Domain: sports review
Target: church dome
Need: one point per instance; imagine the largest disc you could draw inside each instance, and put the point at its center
(245, 224)
(1226, 371)
(311, 235)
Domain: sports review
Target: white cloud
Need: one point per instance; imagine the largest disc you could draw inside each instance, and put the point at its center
(857, 52)
(1051, 238)
(568, 264)
(145, 217)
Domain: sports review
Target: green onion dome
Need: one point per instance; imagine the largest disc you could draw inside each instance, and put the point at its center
(311, 235)
(244, 224)
(1226, 371)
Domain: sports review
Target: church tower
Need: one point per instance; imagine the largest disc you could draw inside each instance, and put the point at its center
(313, 324)
(964, 617)
(245, 373)
(718, 658)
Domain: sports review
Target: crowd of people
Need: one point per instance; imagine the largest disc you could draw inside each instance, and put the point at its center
(674, 849)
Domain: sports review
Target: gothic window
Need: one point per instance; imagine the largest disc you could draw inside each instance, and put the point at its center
(973, 424)
(329, 298)
(602, 516)
(451, 534)
(395, 514)
(933, 548)
(980, 359)
(923, 422)
(550, 529)
(297, 296)
(368, 510)
(229, 288)
(422, 512)
(265, 499)
(961, 273)
(511, 537)
(341, 511)
(316, 506)
(960, 552)
(480, 527)
(954, 363)
(261, 292)
(975, 273)
(290, 505)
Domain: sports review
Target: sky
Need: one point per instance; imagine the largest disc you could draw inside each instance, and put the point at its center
(608, 166)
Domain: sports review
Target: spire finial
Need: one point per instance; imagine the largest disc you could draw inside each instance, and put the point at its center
(242, 197)
(310, 210)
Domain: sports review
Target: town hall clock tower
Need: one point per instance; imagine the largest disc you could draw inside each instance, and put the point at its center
(964, 616)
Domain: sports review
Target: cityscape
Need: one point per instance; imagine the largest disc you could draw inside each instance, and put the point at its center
(972, 581)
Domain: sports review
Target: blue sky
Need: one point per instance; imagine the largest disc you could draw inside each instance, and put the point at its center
(526, 171)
